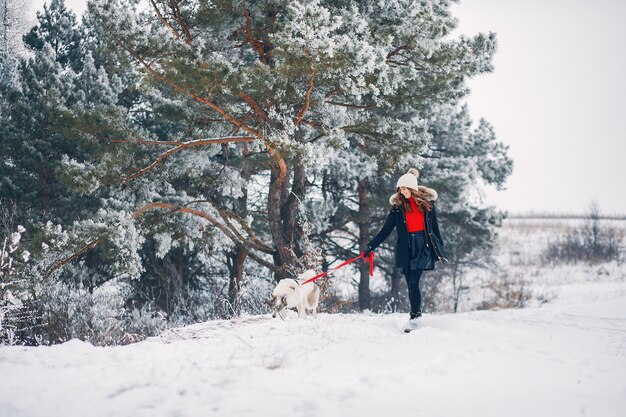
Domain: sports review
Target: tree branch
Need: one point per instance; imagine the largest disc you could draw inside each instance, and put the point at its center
(185, 145)
(264, 263)
(258, 110)
(180, 21)
(397, 50)
(61, 263)
(278, 158)
(353, 106)
(163, 20)
(185, 91)
(146, 142)
(173, 208)
(140, 141)
(255, 43)
(259, 245)
(307, 101)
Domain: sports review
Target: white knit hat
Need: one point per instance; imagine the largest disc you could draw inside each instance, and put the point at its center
(409, 180)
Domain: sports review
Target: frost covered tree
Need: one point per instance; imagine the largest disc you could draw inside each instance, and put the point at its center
(170, 158)
(459, 163)
(12, 26)
(37, 98)
(458, 160)
(48, 174)
(290, 85)
(58, 29)
(28, 141)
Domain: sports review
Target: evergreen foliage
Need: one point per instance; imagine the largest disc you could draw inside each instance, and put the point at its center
(171, 164)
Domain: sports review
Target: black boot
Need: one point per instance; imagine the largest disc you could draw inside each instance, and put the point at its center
(416, 315)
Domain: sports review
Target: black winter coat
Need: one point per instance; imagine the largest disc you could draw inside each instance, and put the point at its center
(396, 219)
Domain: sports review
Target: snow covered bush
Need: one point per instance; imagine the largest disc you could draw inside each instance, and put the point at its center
(13, 259)
(101, 317)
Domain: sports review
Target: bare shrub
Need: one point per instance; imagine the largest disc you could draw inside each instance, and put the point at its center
(386, 303)
(330, 299)
(593, 242)
(506, 292)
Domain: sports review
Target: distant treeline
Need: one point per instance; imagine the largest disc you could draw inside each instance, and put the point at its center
(552, 215)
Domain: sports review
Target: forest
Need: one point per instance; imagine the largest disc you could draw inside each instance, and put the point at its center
(167, 162)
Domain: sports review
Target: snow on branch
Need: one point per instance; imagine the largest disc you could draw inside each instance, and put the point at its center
(307, 101)
(353, 106)
(258, 110)
(176, 11)
(182, 146)
(278, 158)
(62, 262)
(187, 92)
(138, 141)
(239, 240)
(259, 46)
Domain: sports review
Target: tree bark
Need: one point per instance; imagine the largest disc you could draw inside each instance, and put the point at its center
(283, 205)
(275, 197)
(456, 286)
(241, 253)
(291, 228)
(364, 234)
(236, 274)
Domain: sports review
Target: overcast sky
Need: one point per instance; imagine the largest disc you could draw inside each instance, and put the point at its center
(556, 98)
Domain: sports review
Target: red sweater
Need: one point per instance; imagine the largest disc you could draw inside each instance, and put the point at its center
(414, 219)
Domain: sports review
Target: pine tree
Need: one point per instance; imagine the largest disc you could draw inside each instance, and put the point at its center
(298, 81)
(29, 139)
(57, 28)
(460, 162)
(179, 151)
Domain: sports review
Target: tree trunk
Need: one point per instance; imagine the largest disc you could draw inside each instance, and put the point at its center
(396, 277)
(456, 286)
(241, 253)
(284, 257)
(291, 228)
(236, 274)
(364, 235)
(283, 205)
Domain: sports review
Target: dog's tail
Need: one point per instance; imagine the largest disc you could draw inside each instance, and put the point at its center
(308, 274)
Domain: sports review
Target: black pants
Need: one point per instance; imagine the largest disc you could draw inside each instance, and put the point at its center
(413, 282)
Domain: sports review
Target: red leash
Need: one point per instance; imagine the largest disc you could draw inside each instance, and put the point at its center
(369, 259)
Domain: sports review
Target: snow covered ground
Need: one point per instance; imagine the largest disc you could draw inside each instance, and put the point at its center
(565, 358)
(561, 357)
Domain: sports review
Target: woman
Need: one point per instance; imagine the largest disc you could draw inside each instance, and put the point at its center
(419, 241)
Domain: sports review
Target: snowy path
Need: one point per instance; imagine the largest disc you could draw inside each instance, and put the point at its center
(567, 358)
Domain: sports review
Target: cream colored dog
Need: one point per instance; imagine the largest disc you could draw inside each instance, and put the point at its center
(290, 293)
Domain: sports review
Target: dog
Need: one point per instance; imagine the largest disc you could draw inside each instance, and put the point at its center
(289, 293)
